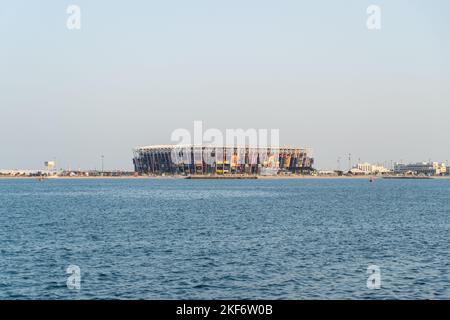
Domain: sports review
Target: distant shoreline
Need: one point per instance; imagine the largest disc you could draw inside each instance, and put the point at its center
(293, 177)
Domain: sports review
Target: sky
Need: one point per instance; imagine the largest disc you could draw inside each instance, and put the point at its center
(138, 70)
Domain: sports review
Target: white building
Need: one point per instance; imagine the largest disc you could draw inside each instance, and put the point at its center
(367, 168)
(421, 168)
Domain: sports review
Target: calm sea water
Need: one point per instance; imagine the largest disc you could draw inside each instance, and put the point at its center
(253, 239)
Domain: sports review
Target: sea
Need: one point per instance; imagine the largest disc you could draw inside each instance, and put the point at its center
(224, 239)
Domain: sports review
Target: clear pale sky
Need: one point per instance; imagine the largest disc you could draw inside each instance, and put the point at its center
(137, 70)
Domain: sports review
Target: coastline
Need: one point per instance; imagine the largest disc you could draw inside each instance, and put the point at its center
(294, 177)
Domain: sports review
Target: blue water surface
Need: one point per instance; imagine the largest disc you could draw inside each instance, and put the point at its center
(232, 239)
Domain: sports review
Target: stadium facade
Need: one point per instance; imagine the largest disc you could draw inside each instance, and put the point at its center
(221, 160)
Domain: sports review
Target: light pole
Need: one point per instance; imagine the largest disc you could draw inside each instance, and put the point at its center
(349, 162)
(103, 157)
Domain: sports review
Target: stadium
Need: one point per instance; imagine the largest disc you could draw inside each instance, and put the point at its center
(221, 160)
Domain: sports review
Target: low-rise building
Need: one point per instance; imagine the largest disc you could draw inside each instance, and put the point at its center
(421, 168)
(327, 173)
(367, 169)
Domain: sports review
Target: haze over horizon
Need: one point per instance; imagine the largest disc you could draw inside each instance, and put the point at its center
(136, 71)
